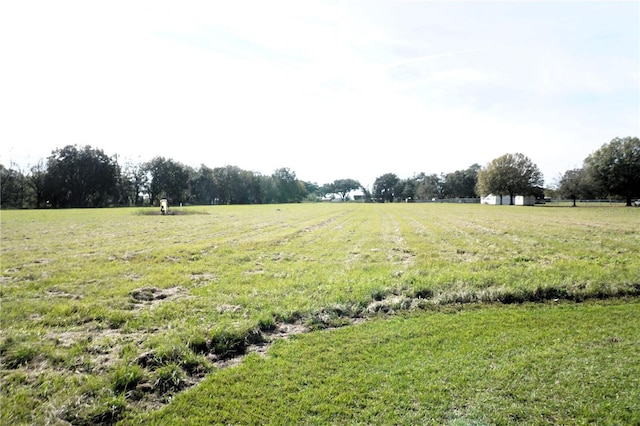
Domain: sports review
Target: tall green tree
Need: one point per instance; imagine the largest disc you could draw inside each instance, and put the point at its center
(313, 191)
(461, 183)
(80, 177)
(269, 191)
(236, 186)
(572, 184)
(202, 186)
(166, 178)
(250, 187)
(13, 186)
(37, 180)
(134, 181)
(326, 189)
(430, 186)
(616, 166)
(343, 187)
(410, 187)
(290, 189)
(387, 187)
(510, 174)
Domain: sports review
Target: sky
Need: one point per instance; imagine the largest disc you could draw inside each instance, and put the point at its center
(330, 89)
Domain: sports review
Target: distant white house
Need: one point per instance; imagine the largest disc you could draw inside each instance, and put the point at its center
(519, 200)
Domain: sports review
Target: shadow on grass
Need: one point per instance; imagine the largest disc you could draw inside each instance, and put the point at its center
(175, 212)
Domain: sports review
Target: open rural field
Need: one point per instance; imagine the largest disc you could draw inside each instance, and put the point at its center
(115, 314)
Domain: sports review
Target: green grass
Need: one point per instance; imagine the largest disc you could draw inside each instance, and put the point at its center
(518, 364)
(130, 308)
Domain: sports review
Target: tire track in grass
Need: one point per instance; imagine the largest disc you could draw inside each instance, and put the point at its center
(399, 251)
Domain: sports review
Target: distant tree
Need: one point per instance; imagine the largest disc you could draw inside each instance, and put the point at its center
(80, 177)
(122, 194)
(430, 186)
(135, 179)
(616, 167)
(409, 187)
(387, 187)
(37, 181)
(166, 178)
(343, 187)
(12, 187)
(367, 194)
(408, 191)
(230, 180)
(572, 184)
(510, 174)
(251, 187)
(290, 189)
(461, 183)
(313, 190)
(326, 189)
(223, 178)
(269, 192)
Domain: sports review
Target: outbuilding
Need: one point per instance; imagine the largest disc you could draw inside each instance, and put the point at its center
(496, 200)
(505, 200)
(525, 200)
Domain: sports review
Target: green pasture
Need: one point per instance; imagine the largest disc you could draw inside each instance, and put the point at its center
(531, 364)
(109, 313)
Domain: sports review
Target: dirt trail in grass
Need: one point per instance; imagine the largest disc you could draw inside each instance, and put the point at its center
(145, 397)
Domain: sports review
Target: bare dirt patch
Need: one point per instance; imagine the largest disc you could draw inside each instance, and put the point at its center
(228, 308)
(204, 277)
(281, 331)
(148, 296)
(54, 292)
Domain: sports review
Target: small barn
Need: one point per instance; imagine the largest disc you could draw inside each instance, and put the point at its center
(505, 200)
(496, 200)
(525, 200)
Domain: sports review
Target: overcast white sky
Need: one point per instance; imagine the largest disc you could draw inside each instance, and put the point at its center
(330, 89)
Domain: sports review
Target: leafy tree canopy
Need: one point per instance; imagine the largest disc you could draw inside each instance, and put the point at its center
(343, 187)
(430, 186)
(461, 183)
(167, 178)
(510, 174)
(387, 187)
(80, 177)
(289, 188)
(572, 184)
(616, 166)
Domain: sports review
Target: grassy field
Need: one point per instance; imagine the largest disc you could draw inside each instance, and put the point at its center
(531, 364)
(110, 313)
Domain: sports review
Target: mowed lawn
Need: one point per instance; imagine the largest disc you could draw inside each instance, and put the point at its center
(111, 312)
(525, 364)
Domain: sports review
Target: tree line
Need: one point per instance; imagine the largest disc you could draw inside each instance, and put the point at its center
(76, 176)
(86, 177)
